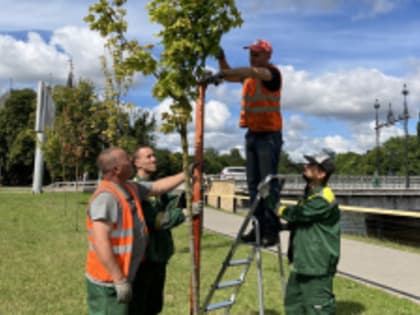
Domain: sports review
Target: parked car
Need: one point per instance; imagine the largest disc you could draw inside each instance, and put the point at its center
(233, 172)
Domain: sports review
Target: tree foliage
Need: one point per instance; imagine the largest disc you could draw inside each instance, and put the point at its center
(126, 59)
(389, 159)
(81, 130)
(72, 144)
(17, 137)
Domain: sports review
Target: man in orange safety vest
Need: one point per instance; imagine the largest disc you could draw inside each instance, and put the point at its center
(117, 232)
(261, 115)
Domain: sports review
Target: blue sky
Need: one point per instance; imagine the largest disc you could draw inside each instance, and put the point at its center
(336, 58)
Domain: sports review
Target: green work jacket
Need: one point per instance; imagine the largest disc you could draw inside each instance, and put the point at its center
(315, 232)
(161, 215)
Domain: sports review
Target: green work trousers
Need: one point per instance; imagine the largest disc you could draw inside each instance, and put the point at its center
(309, 295)
(103, 301)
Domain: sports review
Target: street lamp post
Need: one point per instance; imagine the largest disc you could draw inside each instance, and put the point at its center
(377, 127)
(391, 120)
(405, 118)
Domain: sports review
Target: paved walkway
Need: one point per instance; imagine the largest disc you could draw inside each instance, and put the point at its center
(389, 269)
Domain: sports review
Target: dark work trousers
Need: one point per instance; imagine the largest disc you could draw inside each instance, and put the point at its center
(262, 158)
(148, 289)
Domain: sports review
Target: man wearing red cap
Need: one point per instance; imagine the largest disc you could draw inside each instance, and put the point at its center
(260, 113)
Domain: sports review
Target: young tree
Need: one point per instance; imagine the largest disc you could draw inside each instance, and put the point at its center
(191, 31)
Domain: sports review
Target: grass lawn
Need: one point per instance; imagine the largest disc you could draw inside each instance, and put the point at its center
(43, 246)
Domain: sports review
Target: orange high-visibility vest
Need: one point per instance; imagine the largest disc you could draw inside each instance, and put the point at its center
(121, 235)
(260, 109)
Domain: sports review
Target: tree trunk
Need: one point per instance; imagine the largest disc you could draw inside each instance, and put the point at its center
(188, 192)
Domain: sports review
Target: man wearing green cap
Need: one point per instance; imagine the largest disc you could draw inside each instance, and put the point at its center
(314, 247)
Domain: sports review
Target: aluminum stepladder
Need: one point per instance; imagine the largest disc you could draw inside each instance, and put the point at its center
(255, 252)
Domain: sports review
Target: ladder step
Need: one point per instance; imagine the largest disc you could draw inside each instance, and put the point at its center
(227, 284)
(239, 262)
(218, 305)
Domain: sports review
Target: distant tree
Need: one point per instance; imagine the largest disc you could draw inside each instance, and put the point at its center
(287, 166)
(348, 163)
(17, 137)
(143, 128)
(168, 163)
(76, 139)
(234, 158)
(393, 162)
(212, 161)
(418, 128)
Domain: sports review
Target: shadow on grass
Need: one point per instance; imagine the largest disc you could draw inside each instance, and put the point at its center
(350, 308)
(266, 312)
(343, 308)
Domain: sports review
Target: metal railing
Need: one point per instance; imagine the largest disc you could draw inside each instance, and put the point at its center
(88, 185)
(343, 182)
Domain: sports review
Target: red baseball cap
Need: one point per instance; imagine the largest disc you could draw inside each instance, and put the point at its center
(260, 45)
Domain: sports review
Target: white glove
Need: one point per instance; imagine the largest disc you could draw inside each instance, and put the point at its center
(197, 207)
(124, 292)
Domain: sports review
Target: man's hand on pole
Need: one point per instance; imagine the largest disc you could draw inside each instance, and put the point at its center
(220, 53)
(191, 167)
(197, 208)
(211, 78)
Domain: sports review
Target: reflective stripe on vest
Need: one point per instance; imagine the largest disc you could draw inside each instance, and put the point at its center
(261, 97)
(122, 237)
(260, 109)
(118, 233)
(118, 249)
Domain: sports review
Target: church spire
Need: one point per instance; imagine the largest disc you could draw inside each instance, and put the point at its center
(70, 76)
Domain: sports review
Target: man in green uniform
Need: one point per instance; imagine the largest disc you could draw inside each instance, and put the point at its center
(314, 248)
(161, 214)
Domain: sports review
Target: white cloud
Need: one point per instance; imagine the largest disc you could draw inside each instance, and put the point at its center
(347, 95)
(227, 93)
(84, 47)
(31, 60)
(216, 115)
(35, 59)
(295, 122)
(377, 7)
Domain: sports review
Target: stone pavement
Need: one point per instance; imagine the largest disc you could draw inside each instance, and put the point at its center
(393, 270)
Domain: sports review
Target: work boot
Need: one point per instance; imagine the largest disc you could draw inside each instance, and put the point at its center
(269, 239)
(249, 237)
